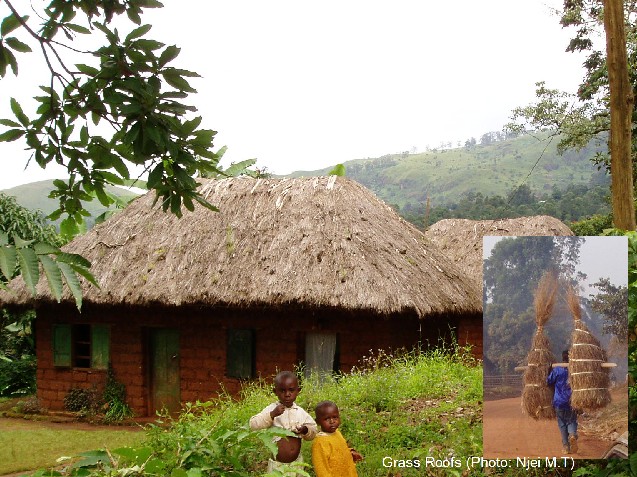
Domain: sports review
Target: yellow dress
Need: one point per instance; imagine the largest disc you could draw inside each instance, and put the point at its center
(331, 456)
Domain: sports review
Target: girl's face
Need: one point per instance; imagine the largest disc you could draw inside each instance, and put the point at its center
(329, 419)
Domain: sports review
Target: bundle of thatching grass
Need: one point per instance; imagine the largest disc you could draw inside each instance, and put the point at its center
(537, 396)
(589, 381)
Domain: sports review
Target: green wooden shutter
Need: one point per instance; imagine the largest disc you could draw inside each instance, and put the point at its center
(100, 346)
(62, 345)
(240, 354)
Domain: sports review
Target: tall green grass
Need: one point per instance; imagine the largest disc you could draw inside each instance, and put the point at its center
(401, 407)
(394, 409)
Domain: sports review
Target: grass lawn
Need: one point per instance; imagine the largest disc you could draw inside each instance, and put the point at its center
(26, 445)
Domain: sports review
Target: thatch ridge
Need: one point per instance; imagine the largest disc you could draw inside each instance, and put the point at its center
(461, 239)
(308, 242)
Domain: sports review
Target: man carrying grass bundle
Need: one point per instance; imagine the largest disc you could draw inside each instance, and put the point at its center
(566, 415)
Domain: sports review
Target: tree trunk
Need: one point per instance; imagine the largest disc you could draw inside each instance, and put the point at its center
(621, 109)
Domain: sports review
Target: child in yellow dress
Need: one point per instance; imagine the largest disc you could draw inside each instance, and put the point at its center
(331, 456)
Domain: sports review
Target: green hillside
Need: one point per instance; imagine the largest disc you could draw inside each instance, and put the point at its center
(444, 176)
(34, 196)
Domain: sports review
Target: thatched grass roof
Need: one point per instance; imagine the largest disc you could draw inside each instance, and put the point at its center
(308, 242)
(460, 240)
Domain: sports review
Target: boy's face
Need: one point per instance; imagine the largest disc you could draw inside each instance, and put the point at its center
(287, 389)
(329, 419)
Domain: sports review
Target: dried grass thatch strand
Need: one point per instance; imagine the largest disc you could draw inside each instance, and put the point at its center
(587, 344)
(544, 299)
(573, 304)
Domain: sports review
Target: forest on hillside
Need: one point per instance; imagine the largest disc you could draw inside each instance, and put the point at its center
(575, 203)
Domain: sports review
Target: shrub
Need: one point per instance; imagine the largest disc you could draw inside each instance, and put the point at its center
(394, 405)
(17, 377)
(592, 226)
(114, 398)
(82, 400)
(30, 405)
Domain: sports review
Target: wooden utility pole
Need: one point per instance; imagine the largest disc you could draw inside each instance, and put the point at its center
(621, 112)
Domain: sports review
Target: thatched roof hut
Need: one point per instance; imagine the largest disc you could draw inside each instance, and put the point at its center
(310, 242)
(460, 240)
(314, 271)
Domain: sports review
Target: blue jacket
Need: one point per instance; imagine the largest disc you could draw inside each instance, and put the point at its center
(558, 377)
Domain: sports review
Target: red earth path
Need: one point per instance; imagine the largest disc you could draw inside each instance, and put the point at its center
(507, 433)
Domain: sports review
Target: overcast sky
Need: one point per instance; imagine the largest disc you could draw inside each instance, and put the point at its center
(306, 84)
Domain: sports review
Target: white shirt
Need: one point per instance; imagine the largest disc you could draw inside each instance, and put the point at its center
(292, 418)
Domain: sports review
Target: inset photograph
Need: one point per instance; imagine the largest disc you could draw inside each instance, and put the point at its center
(555, 334)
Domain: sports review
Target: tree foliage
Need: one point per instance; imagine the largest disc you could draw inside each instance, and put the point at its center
(584, 115)
(17, 357)
(575, 203)
(104, 113)
(516, 265)
(611, 302)
(128, 85)
(25, 223)
(26, 242)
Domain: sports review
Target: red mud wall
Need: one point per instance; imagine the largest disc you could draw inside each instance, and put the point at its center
(280, 341)
(469, 332)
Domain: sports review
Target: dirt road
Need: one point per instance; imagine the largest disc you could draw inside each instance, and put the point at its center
(507, 433)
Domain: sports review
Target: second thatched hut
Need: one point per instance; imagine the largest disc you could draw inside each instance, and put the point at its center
(461, 239)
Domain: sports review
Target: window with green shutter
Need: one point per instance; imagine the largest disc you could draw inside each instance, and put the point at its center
(100, 346)
(81, 345)
(240, 353)
(62, 341)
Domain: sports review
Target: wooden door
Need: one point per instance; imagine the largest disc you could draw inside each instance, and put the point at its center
(164, 370)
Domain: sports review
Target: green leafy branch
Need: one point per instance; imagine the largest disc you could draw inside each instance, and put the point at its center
(120, 109)
(27, 256)
(129, 85)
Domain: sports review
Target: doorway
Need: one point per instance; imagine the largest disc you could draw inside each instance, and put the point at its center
(164, 370)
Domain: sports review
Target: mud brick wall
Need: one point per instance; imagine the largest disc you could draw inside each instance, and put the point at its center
(127, 359)
(279, 344)
(470, 333)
